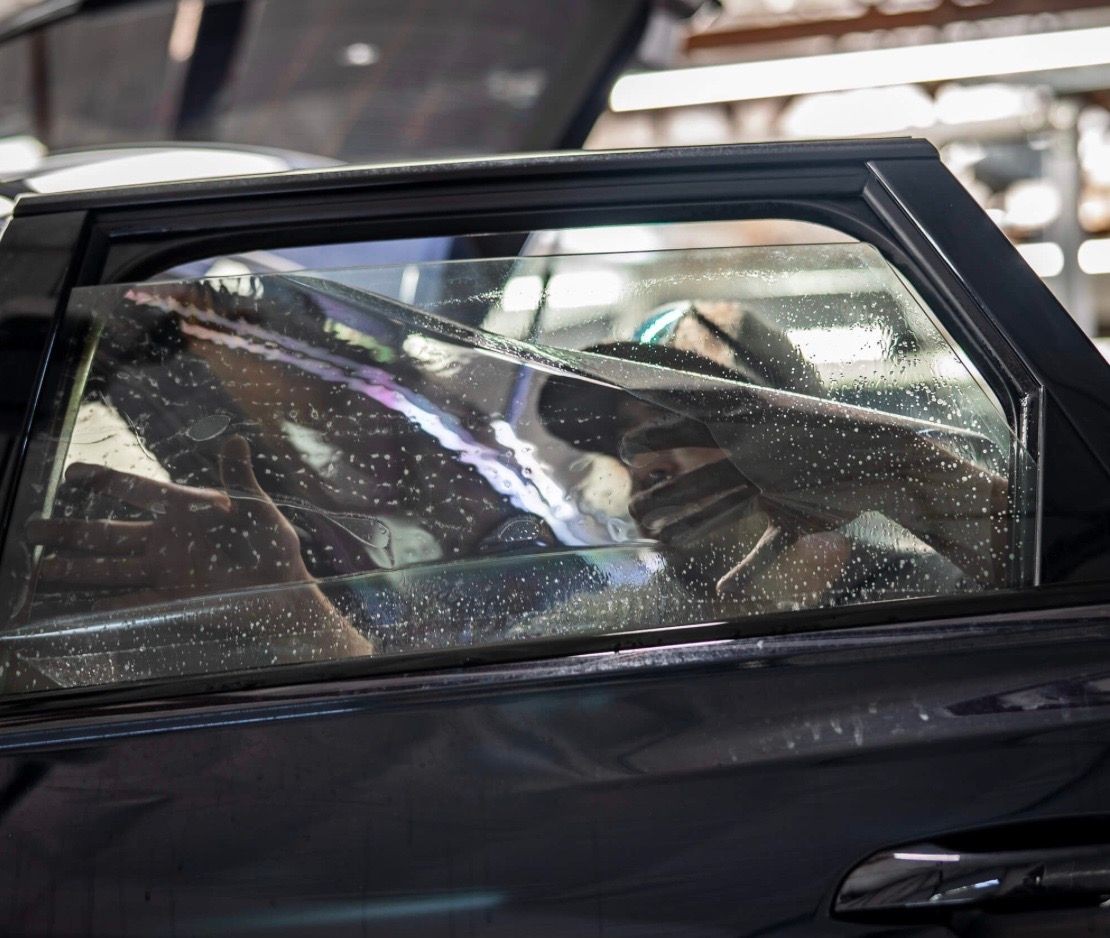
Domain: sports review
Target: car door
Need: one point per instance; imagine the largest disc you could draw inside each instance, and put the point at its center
(747, 588)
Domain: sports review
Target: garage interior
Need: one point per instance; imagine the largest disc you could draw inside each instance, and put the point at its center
(1013, 93)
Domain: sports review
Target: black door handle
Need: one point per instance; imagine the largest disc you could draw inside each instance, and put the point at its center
(927, 878)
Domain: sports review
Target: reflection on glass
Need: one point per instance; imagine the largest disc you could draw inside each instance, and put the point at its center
(256, 470)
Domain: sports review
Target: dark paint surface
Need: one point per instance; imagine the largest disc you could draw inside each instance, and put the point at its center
(722, 789)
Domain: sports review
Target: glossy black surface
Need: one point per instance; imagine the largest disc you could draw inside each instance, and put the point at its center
(723, 782)
(920, 880)
(703, 790)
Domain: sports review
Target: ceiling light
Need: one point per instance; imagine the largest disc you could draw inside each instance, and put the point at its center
(186, 26)
(841, 344)
(968, 104)
(1045, 257)
(1031, 203)
(843, 71)
(522, 294)
(1094, 256)
(584, 288)
(360, 53)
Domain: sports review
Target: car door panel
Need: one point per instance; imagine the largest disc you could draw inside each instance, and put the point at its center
(714, 778)
(721, 797)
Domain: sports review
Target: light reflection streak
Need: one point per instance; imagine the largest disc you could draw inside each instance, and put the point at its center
(929, 857)
(540, 496)
(35, 740)
(352, 912)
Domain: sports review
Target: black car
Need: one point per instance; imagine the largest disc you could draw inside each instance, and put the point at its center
(719, 548)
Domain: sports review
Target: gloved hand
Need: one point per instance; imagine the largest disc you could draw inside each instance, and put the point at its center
(810, 465)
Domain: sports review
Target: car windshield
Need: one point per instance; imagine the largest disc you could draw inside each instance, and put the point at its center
(354, 80)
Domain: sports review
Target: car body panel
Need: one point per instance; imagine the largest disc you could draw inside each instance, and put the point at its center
(720, 778)
(712, 789)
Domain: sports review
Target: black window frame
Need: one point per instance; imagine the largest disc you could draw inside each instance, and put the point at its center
(1050, 379)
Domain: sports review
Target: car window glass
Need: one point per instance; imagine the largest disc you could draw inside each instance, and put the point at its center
(606, 239)
(254, 470)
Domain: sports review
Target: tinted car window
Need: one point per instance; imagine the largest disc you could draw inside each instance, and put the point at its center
(259, 469)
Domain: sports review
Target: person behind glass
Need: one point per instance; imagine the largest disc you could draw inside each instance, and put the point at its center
(198, 542)
(748, 475)
(219, 553)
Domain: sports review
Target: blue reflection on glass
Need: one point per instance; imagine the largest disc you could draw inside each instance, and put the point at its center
(351, 912)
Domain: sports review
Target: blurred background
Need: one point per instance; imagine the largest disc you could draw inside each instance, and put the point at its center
(1014, 93)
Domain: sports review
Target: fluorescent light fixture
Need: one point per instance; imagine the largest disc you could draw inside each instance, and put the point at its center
(929, 857)
(20, 154)
(844, 71)
(1094, 256)
(360, 54)
(969, 104)
(186, 24)
(522, 294)
(859, 112)
(580, 289)
(605, 239)
(1045, 257)
(840, 344)
(584, 288)
(1032, 203)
